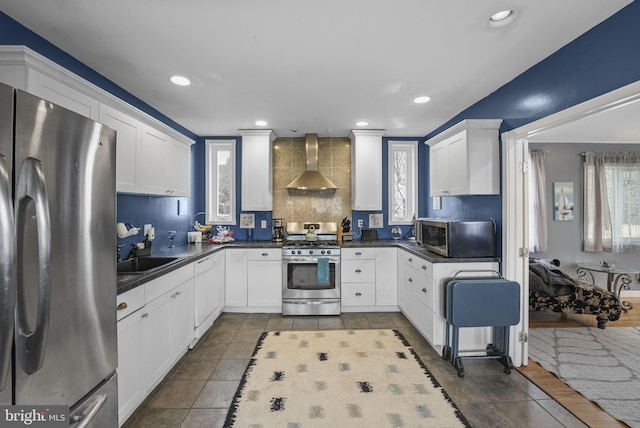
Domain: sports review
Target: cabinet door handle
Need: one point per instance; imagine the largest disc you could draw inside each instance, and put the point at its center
(424, 267)
(145, 315)
(122, 306)
(265, 254)
(358, 294)
(410, 280)
(204, 260)
(358, 253)
(410, 259)
(424, 290)
(358, 271)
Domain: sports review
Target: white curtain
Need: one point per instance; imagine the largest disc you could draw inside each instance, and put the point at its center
(537, 202)
(623, 194)
(612, 202)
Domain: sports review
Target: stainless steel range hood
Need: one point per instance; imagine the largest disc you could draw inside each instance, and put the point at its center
(311, 179)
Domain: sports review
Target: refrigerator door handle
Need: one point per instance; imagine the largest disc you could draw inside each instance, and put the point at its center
(31, 189)
(84, 419)
(7, 272)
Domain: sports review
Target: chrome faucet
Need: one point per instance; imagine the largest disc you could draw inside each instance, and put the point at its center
(118, 254)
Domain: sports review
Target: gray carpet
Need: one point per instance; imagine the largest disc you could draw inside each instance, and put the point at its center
(603, 365)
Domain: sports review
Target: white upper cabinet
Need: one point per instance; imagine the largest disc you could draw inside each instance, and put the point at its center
(57, 92)
(128, 131)
(464, 159)
(257, 180)
(162, 164)
(366, 170)
(151, 157)
(150, 161)
(178, 168)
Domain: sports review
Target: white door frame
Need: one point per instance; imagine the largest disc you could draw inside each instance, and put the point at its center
(515, 206)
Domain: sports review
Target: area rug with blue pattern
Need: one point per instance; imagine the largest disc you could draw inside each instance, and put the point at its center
(339, 378)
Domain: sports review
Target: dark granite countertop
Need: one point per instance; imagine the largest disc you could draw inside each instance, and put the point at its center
(188, 253)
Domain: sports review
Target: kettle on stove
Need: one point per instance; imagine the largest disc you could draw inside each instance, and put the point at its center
(311, 234)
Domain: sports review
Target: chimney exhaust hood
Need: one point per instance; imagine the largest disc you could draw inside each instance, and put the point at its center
(311, 179)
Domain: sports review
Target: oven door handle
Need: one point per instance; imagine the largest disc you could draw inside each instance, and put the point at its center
(308, 260)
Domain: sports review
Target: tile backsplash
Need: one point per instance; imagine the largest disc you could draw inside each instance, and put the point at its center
(334, 161)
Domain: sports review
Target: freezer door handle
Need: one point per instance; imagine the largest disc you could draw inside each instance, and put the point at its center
(31, 189)
(84, 419)
(7, 271)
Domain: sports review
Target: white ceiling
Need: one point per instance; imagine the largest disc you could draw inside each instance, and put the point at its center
(309, 66)
(616, 125)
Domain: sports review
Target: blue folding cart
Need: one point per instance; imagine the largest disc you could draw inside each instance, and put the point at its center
(480, 302)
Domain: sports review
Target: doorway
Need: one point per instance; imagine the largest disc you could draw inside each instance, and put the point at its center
(616, 105)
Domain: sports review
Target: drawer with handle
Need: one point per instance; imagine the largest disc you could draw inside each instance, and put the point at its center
(264, 254)
(129, 302)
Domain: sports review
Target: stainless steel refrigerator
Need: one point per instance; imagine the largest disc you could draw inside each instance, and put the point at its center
(57, 260)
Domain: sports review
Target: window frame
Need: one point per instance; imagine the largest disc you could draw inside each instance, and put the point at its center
(622, 174)
(411, 148)
(213, 147)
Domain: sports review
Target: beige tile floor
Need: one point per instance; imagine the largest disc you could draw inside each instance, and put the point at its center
(199, 390)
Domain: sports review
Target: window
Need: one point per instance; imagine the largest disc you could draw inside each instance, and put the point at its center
(614, 225)
(403, 181)
(623, 192)
(221, 182)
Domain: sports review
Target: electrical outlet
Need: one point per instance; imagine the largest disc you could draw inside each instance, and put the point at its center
(146, 230)
(436, 203)
(360, 222)
(263, 224)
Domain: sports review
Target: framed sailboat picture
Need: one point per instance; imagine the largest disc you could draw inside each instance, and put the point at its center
(563, 200)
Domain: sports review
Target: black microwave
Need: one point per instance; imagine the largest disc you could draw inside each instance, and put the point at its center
(455, 238)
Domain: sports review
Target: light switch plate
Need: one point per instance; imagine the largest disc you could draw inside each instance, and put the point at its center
(436, 202)
(182, 207)
(263, 224)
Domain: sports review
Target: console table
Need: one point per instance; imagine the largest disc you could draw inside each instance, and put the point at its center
(618, 278)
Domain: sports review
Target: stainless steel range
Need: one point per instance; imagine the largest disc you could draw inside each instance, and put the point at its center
(311, 269)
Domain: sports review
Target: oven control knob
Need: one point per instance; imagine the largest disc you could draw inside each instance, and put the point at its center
(322, 252)
(328, 251)
(299, 252)
(310, 251)
(293, 251)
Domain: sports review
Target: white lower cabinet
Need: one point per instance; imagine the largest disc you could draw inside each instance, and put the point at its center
(369, 279)
(421, 289)
(132, 387)
(156, 325)
(235, 292)
(253, 280)
(153, 334)
(387, 277)
(209, 291)
(182, 316)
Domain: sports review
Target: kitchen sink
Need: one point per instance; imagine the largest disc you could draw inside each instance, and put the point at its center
(140, 265)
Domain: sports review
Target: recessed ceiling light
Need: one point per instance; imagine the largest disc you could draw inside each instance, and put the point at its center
(421, 100)
(362, 123)
(180, 80)
(502, 18)
(499, 16)
(261, 123)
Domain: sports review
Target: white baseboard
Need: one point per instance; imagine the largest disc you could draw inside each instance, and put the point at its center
(630, 293)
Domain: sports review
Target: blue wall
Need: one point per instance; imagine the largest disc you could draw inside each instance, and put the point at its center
(603, 59)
